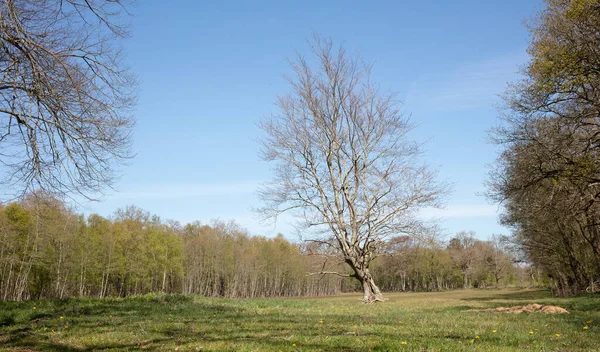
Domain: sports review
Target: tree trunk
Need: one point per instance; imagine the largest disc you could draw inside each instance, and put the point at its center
(371, 292)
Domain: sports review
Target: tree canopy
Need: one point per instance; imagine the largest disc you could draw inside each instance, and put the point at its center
(548, 176)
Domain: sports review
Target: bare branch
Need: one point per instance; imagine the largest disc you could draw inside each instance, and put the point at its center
(343, 162)
(65, 95)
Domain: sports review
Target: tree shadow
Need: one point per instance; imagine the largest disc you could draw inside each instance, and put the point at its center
(21, 327)
(582, 309)
(158, 324)
(7, 320)
(524, 295)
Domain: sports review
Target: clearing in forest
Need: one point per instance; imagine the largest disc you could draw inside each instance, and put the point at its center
(406, 322)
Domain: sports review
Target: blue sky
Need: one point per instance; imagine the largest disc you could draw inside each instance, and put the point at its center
(210, 70)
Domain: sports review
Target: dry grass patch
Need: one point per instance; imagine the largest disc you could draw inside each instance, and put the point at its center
(530, 308)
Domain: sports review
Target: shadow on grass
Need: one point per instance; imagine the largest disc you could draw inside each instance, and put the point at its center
(576, 303)
(158, 323)
(7, 320)
(143, 323)
(43, 329)
(26, 338)
(21, 342)
(579, 307)
(525, 295)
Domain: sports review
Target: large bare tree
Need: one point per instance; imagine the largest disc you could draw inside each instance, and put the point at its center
(344, 163)
(65, 95)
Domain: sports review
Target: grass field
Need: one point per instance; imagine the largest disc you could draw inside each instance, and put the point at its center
(407, 322)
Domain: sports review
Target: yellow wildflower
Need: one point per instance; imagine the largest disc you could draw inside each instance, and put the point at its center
(62, 317)
(293, 345)
(34, 307)
(585, 327)
(477, 336)
(404, 343)
(531, 332)
(557, 335)
(494, 331)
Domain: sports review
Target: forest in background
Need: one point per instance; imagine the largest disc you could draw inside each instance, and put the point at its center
(50, 251)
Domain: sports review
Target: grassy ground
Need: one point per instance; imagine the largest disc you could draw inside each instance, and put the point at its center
(407, 322)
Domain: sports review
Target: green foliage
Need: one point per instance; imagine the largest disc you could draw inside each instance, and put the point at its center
(466, 262)
(50, 252)
(548, 176)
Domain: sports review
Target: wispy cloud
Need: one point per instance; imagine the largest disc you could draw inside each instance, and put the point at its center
(186, 190)
(468, 86)
(460, 211)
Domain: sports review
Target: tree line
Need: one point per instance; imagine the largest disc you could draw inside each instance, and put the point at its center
(50, 251)
(461, 263)
(548, 175)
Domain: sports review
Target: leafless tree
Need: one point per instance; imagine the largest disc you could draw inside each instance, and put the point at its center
(65, 95)
(344, 164)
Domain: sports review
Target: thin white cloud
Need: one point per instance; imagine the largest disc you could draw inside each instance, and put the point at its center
(460, 211)
(184, 191)
(251, 222)
(469, 86)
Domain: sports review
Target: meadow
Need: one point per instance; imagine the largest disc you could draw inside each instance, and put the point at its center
(406, 322)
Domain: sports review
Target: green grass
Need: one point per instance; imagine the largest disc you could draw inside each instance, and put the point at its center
(424, 321)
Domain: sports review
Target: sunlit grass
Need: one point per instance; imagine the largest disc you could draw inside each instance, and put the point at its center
(407, 322)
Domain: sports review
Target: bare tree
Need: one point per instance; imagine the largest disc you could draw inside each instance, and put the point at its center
(65, 95)
(344, 164)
